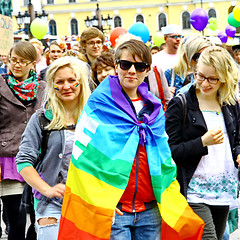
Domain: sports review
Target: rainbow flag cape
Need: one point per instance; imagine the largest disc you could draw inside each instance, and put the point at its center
(106, 141)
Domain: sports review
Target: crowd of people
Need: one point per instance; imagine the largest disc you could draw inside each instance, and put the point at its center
(183, 95)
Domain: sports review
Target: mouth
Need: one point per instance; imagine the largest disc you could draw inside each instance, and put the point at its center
(67, 93)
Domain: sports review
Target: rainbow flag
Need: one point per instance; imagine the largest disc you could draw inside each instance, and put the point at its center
(106, 141)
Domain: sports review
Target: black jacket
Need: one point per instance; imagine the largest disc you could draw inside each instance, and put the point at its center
(186, 145)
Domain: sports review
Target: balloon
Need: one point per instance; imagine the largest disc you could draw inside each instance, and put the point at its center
(141, 30)
(230, 31)
(236, 13)
(232, 21)
(223, 36)
(199, 19)
(158, 38)
(38, 28)
(116, 33)
(212, 24)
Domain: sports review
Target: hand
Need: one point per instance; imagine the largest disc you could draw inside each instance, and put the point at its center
(238, 159)
(55, 191)
(212, 137)
(172, 90)
(119, 212)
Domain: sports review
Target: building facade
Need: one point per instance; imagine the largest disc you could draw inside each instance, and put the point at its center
(67, 17)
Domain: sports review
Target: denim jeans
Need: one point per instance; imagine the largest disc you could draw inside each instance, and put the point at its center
(48, 231)
(144, 225)
(214, 217)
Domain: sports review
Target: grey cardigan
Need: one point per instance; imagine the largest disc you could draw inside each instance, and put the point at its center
(50, 167)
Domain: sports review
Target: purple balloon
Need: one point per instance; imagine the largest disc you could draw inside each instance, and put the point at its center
(230, 31)
(199, 19)
(223, 36)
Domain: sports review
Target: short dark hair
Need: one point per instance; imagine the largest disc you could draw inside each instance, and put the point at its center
(90, 33)
(136, 48)
(106, 58)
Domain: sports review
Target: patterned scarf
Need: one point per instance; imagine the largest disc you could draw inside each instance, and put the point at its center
(26, 90)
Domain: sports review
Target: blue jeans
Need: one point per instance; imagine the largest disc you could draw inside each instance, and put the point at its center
(144, 225)
(48, 231)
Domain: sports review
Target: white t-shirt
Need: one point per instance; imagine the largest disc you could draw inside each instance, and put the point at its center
(164, 60)
(214, 182)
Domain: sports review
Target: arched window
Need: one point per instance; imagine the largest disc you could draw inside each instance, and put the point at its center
(52, 27)
(139, 18)
(186, 20)
(212, 13)
(50, 1)
(74, 27)
(162, 21)
(117, 22)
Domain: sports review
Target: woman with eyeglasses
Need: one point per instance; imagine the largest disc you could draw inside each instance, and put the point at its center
(206, 145)
(21, 95)
(189, 51)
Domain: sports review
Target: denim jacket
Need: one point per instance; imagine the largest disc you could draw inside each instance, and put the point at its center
(50, 167)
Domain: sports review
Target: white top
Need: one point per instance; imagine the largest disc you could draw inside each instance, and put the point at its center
(164, 60)
(215, 180)
(138, 104)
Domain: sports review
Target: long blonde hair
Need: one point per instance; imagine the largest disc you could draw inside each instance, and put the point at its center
(227, 71)
(188, 47)
(81, 71)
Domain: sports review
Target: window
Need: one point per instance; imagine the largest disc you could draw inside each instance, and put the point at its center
(72, 1)
(74, 27)
(50, 1)
(212, 13)
(186, 20)
(162, 21)
(117, 22)
(25, 2)
(139, 18)
(52, 27)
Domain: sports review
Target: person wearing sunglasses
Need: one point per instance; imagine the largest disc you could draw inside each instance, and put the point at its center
(125, 125)
(21, 95)
(168, 57)
(188, 52)
(206, 146)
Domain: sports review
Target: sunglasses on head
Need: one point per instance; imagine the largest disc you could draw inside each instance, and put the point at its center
(139, 66)
(195, 57)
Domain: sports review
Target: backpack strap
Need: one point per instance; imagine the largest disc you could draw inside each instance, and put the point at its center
(183, 100)
(45, 134)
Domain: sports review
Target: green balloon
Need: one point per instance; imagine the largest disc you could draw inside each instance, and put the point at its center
(158, 39)
(38, 28)
(212, 20)
(232, 21)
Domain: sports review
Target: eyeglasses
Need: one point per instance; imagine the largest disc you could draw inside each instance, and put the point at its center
(92, 43)
(202, 78)
(195, 57)
(139, 66)
(175, 36)
(22, 63)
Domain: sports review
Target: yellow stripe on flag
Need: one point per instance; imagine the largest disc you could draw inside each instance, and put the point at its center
(92, 190)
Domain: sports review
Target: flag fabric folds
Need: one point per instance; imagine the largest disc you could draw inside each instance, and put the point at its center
(106, 140)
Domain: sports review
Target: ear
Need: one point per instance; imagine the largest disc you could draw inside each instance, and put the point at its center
(34, 65)
(116, 68)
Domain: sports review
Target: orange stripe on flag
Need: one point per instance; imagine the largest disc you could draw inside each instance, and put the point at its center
(85, 217)
(71, 232)
(185, 228)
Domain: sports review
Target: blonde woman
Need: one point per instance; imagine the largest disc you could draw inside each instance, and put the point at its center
(206, 146)
(189, 51)
(67, 92)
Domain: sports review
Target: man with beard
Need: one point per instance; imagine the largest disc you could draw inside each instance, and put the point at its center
(167, 58)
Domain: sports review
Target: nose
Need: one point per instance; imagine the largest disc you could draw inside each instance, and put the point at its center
(132, 69)
(66, 85)
(205, 82)
(104, 74)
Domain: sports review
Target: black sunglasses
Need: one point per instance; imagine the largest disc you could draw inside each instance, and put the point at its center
(139, 66)
(195, 57)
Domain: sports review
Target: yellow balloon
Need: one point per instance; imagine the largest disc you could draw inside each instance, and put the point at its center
(236, 13)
